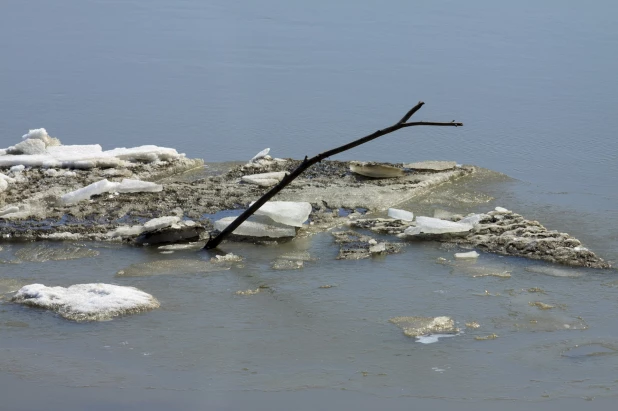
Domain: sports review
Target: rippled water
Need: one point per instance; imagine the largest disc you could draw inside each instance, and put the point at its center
(534, 85)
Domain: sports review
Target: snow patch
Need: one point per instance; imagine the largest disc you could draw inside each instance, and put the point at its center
(87, 302)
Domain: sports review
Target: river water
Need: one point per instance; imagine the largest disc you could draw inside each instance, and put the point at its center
(534, 85)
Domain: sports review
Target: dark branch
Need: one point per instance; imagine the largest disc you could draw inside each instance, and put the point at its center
(214, 242)
(410, 113)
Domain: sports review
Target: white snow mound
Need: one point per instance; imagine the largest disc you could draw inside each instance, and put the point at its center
(87, 302)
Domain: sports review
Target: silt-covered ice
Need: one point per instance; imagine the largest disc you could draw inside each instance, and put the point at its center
(87, 302)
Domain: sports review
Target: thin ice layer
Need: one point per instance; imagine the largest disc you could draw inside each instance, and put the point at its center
(286, 212)
(257, 227)
(87, 302)
(264, 179)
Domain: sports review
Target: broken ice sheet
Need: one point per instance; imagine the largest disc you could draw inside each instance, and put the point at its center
(87, 302)
(170, 267)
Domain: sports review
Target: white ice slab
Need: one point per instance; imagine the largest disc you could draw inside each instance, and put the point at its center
(257, 226)
(502, 210)
(161, 222)
(400, 214)
(265, 179)
(468, 255)
(85, 193)
(8, 209)
(87, 302)
(429, 225)
(127, 231)
(286, 212)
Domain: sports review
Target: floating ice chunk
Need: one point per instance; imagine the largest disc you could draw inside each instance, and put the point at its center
(18, 168)
(377, 248)
(30, 146)
(265, 179)
(85, 193)
(400, 214)
(375, 170)
(502, 210)
(429, 225)
(161, 222)
(258, 227)
(51, 172)
(468, 255)
(87, 302)
(286, 212)
(137, 186)
(260, 155)
(9, 209)
(69, 174)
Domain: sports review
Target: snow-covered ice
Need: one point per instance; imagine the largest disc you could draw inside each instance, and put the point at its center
(264, 179)
(400, 214)
(87, 302)
(429, 225)
(502, 210)
(258, 226)
(29, 146)
(286, 212)
(17, 169)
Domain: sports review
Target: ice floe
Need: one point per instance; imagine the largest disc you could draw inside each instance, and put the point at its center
(87, 302)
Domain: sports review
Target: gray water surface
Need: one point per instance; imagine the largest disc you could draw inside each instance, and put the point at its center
(535, 87)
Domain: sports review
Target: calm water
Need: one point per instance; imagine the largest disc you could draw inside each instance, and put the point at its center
(533, 83)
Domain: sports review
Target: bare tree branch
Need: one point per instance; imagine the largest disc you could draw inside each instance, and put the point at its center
(214, 242)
